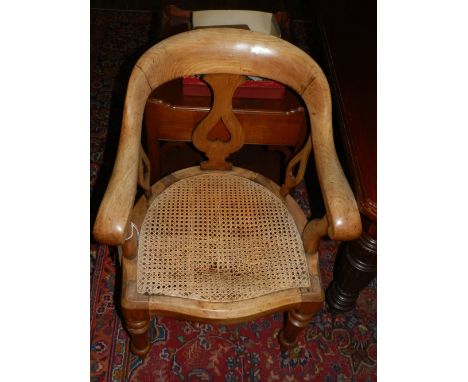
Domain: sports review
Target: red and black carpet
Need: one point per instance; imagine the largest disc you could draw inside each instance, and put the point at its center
(334, 347)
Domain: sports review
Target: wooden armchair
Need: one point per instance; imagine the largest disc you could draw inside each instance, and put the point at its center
(219, 243)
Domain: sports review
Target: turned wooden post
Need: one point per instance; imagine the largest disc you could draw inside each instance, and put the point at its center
(144, 173)
(355, 267)
(297, 320)
(137, 323)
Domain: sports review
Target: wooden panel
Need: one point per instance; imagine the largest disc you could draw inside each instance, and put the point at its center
(173, 123)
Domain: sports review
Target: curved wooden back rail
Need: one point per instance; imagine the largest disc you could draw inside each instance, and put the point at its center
(239, 52)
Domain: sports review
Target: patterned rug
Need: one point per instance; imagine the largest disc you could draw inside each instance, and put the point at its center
(339, 347)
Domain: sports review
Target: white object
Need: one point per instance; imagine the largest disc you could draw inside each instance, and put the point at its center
(263, 22)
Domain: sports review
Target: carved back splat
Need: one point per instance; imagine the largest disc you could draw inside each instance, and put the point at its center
(223, 86)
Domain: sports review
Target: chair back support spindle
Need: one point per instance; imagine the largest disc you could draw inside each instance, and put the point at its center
(144, 173)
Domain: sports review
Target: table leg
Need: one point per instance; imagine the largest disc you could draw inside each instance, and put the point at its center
(355, 266)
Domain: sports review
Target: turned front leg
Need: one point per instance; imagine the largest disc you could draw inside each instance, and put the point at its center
(297, 320)
(137, 324)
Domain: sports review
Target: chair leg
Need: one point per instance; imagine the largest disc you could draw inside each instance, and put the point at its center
(297, 320)
(137, 323)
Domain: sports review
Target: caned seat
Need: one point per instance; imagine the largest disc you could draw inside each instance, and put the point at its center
(217, 243)
(219, 237)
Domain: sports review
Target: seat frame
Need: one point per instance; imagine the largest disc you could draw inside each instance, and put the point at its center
(226, 55)
(304, 299)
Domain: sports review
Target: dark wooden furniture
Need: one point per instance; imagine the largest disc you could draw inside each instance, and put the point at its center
(348, 35)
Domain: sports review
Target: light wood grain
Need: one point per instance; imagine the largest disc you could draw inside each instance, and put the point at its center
(217, 151)
(232, 312)
(297, 320)
(234, 52)
(313, 232)
(144, 173)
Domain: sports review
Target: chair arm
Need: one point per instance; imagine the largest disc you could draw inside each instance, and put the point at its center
(344, 220)
(114, 211)
(117, 204)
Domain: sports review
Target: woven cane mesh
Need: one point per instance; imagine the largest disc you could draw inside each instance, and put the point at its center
(220, 238)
